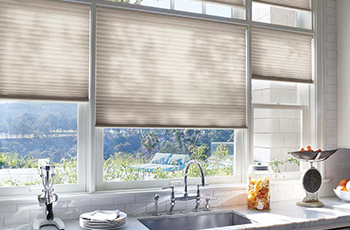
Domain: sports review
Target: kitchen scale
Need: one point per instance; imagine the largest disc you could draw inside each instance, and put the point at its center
(311, 179)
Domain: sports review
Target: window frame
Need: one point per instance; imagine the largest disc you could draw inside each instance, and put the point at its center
(305, 133)
(113, 185)
(90, 139)
(60, 188)
(247, 135)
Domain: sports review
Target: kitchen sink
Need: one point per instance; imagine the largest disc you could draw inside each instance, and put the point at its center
(195, 221)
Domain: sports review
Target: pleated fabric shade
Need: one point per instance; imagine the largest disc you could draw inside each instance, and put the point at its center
(163, 71)
(44, 50)
(281, 56)
(296, 4)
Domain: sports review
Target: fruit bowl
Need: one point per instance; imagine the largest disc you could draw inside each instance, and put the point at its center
(343, 195)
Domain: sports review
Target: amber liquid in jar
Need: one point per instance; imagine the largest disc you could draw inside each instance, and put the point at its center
(259, 194)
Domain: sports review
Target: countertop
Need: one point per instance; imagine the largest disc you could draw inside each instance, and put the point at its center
(283, 215)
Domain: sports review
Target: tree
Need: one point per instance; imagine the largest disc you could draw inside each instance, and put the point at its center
(26, 124)
(52, 120)
(150, 141)
(64, 122)
(5, 128)
(42, 128)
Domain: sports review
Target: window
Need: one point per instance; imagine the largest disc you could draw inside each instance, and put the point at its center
(282, 15)
(211, 7)
(33, 133)
(156, 3)
(203, 55)
(188, 6)
(219, 10)
(151, 154)
(282, 59)
(280, 122)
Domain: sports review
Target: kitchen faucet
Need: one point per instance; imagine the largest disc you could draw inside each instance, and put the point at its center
(185, 196)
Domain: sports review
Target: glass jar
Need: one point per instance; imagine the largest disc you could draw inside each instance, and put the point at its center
(259, 187)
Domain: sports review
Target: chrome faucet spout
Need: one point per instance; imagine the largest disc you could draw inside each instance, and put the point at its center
(186, 174)
(186, 197)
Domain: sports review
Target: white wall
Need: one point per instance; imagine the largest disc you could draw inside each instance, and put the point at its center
(343, 69)
(337, 85)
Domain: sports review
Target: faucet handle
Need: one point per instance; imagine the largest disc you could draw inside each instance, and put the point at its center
(207, 205)
(200, 185)
(172, 187)
(156, 196)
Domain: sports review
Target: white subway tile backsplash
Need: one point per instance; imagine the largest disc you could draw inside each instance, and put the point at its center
(108, 200)
(136, 208)
(230, 201)
(329, 62)
(331, 4)
(29, 206)
(78, 203)
(330, 46)
(331, 54)
(120, 207)
(331, 71)
(162, 207)
(8, 207)
(221, 193)
(90, 208)
(67, 213)
(330, 11)
(278, 196)
(329, 28)
(144, 198)
(286, 188)
(125, 199)
(330, 20)
(19, 217)
(36, 214)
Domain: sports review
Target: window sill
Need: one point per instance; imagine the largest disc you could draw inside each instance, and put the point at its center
(143, 192)
(147, 191)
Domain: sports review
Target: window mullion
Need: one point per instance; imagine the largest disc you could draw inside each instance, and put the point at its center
(91, 165)
(248, 134)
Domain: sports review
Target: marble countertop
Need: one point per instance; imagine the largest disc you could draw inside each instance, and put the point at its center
(283, 215)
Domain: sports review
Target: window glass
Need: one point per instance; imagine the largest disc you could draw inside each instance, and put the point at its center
(124, 1)
(282, 16)
(218, 10)
(269, 92)
(156, 3)
(276, 132)
(34, 132)
(188, 6)
(150, 154)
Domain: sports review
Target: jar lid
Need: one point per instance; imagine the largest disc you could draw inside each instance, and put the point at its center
(259, 167)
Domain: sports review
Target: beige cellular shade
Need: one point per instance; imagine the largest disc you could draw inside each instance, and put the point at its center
(44, 50)
(228, 2)
(164, 71)
(296, 4)
(281, 56)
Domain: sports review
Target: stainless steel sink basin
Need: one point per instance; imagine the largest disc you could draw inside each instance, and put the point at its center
(195, 221)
